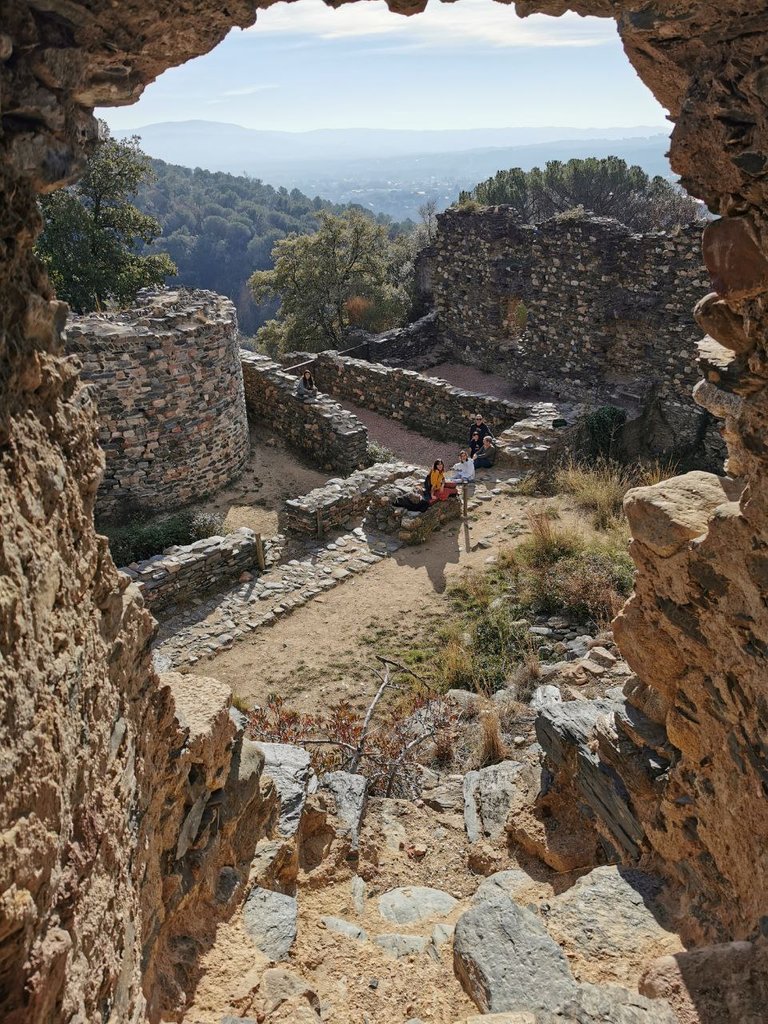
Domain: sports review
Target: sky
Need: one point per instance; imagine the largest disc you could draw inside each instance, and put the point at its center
(471, 64)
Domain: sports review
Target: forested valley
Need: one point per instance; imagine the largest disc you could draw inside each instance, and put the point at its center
(219, 228)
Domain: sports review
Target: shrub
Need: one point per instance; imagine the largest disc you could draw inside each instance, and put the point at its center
(548, 541)
(525, 677)
(458, 671)
(378, 453)
(141, 538)
(600, 431)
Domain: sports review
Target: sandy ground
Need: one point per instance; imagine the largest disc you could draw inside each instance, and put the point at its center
(272, 474)
(324, 651)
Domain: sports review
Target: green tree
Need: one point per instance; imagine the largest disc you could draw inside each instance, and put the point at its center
(92, 231)
(606, 187)
(347, 273)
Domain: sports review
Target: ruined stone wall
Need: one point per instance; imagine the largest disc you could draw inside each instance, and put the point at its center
(92, 907)
(167, 382)
(190, 570)
(330, 507)
(579, 306)
(431, 406)
(332, 437)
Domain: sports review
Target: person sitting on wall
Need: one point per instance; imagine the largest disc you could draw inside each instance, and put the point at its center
(305, 389)
(486, 457)
(475, 443)
(479, 426)
(435, 486)
(464, 469)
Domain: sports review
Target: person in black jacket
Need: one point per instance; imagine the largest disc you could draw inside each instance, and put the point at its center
(480, 426)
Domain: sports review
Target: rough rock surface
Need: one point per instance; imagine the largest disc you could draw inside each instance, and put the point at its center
(290, 769)
(415, 903)
(270, 920)
(83, 736)
(610, 923)
(488, 796)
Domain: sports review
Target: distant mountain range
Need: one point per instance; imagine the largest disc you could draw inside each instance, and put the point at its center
(390, 171)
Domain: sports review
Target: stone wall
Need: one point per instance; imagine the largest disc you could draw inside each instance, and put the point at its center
(330, 507)
(400, 345)
(92, 795)
(190, 570)
(581, 307)
(332, 437)
(431, 406)
(409, 527)
(167, 381)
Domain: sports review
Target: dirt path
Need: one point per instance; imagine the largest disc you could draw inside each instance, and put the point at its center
(472, 379)
(323, 651)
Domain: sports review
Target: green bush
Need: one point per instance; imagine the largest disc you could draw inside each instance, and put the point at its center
(143, 537)
(378, 453)
(600, 433)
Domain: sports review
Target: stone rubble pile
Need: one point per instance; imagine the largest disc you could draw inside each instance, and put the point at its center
(527, 444)
(333, 438)
(339, 500)
(186, 571)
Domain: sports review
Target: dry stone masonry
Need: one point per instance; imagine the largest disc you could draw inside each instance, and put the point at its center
(334, 438)
(579, 306)
(93, 799)
(409, 527)
(187, 571)
(426, 404)
(167, 381)
(331, 506)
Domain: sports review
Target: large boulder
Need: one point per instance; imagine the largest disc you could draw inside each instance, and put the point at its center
(610, 924)
(505, 959)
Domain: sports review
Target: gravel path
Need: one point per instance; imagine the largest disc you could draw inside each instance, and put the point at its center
(472, 379)
(406, 444)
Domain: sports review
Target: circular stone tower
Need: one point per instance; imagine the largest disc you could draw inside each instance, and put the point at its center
(167, 380)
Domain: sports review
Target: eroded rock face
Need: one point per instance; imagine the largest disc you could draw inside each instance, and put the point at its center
(85, 731)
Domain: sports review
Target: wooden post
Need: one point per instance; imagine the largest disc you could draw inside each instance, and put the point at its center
(464, 489)
(319, 518)
(260, 560)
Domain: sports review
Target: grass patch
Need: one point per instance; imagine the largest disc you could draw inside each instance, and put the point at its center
(598, 488)
(379, 453)
(143, 537)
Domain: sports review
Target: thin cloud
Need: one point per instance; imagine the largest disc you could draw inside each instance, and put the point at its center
(442, 25)
(248, 90)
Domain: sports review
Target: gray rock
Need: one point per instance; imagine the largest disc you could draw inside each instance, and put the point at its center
(349, 793)
(563, 729)
(544, 695)
(609, 1004)
(487, 797)
(505, 959)
(342, 927)
(445, 794)
(415, 903)
(358, 895)
(238, 1020)
(402, 945)
(270, 920)
(612, 915)
(506, 883)
(291, 770)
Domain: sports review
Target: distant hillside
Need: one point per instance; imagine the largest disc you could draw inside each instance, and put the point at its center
(388, 171)
(220, 228)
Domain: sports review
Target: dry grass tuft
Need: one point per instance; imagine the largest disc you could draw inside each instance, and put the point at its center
(457, 666)
(491, 748)
(526, 676)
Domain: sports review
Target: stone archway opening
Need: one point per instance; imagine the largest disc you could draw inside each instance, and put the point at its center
(86, 725)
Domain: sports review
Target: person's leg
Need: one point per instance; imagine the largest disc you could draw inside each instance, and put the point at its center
(482, 463)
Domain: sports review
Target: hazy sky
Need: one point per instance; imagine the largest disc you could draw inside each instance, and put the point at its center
(457, 65)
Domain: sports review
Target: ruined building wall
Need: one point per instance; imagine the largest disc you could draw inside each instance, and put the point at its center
(87, 735)
(167, 381)
(580, 306)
